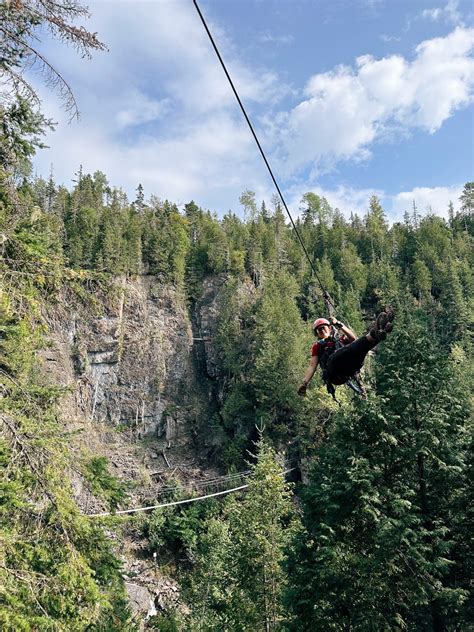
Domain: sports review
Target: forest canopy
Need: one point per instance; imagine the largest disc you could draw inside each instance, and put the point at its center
(387, 500)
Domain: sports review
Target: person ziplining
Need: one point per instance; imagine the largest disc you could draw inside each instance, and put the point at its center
(342, 356)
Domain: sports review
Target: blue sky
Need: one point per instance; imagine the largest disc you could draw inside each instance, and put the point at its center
(348, 97)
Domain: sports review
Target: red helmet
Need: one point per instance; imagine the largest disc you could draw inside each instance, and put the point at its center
(319, 322)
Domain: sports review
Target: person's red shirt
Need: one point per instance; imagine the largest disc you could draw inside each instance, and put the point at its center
(330, 345)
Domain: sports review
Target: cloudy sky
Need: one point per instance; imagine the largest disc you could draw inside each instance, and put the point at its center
(348, 97)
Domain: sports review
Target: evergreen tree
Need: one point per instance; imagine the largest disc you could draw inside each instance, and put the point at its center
(133, 242)
(376, 235)
(421, 280)
(264, 214)
(22, 128)
(255, 251)
(238, 579)
(99, 187)
(467, 198)
(139, 203)
(110, 255)
(261, 527)
(379, 550)
(280, 343)
(351, 272)
(82, 238)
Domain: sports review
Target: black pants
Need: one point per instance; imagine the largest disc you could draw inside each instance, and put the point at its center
(348, 360)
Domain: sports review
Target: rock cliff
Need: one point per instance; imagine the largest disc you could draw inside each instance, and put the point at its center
(140, 371)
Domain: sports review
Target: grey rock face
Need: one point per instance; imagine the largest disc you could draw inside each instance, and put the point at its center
(131, 366)
(206, 319)
(141, 601)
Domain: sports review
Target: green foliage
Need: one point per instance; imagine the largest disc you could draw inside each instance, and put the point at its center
(376, 242)
(467, 198)
(165, 242)
(208, 251)
(352, 274)
(279, 353)
(177, 528)
(58, 570)
(22, 128)
(237, 579)
(379, 549)
(169, 622)
(262, 340)
(247, 200)
(83, 233)
(104, 484)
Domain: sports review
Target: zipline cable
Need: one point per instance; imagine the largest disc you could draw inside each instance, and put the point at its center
(326, 295)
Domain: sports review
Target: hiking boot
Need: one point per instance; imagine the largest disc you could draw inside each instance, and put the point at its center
(383, 325)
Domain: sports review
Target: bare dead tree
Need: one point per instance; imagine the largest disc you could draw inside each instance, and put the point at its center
(21, 22)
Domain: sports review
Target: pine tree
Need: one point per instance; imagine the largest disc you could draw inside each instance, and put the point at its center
(110, 254)
(421, 280)
(133, 242)
(280, 353)
(238, 579)
(467, 198)
(261, 528)
(382, 534)
(376, 226)
(139, 203)
(351, 272)
(50, 191)
(264, 214)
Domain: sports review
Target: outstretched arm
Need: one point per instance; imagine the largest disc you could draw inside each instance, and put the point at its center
(313, 365)
(347, 331)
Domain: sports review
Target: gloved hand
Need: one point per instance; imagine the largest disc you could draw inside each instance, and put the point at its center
(337, 323)
(302, 389)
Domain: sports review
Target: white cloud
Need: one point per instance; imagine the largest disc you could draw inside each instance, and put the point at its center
(171, 50)
(347, 109)
(343, 197)
(270, 38)
(349, 199)
(449, 13)
(137, 109)
(427, 200)
(389, 38)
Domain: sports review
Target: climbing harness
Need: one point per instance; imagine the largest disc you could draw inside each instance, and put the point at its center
(327, 348)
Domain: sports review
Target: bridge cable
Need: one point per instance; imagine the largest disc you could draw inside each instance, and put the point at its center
(173, 502)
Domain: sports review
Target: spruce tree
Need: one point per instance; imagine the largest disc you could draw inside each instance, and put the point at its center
(279, 357)
(382, 540)
(238, 579)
